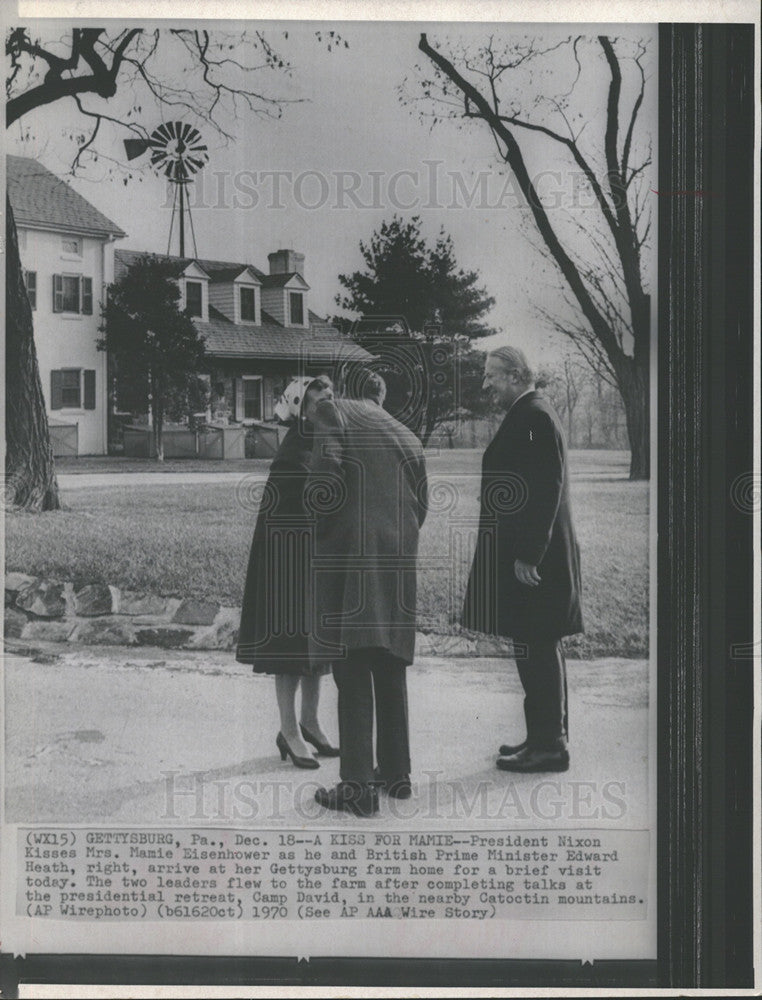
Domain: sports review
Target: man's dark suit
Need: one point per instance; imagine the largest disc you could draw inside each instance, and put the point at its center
(525, 514)
(368, 490)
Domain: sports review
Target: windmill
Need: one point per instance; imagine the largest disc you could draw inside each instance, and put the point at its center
(177, 151)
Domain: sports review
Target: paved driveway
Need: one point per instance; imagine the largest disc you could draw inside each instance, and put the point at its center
(110, 735)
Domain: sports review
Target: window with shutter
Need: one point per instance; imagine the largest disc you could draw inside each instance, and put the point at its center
(193, 297)
(71, 396)
(252, 398)
(248, 305)
(57, 293)
(70, 296)
(30, 280)
(89, 389)
(269, 401)
(87, 296)
(238, 400)
(296, 308)
(55, 390)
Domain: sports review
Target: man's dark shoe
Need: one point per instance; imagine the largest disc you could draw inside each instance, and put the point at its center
(508, 749)
(398, 786)
(530, 760)
(349, 796)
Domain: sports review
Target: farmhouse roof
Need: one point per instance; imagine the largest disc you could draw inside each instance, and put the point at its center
(272, 341)
(216, 269)
(279, 280)
(42, 200)
(320, 342)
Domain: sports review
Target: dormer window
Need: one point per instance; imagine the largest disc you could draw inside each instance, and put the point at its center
(194, 285)
(296, 308)
(248, 304)
(194, 298)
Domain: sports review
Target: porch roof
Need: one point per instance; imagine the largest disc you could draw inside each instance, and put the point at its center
(272, 341)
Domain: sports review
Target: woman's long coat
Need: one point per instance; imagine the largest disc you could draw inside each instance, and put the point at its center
(368, 491)
(277, 611)
(525, 514)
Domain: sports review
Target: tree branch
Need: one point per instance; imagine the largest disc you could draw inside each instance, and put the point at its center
(627, 244)
(633, 116)
(102, 81)
(578, 159)
(612, 118)
(56, 64)
(515, 160)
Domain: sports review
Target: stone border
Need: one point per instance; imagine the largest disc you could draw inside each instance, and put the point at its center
(96, 614)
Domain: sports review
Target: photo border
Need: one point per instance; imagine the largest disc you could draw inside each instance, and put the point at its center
(705, 619)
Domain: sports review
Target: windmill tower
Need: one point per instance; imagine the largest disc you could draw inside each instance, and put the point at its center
(177, 151)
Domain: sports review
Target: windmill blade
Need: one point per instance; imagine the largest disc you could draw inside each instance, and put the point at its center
(162, 135)
(193, 164)
(177, 150)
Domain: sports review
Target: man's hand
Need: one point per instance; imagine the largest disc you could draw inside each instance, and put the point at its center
(526, 573)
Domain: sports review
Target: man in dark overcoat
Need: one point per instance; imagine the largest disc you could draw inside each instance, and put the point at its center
(525, 578)
(367, 490)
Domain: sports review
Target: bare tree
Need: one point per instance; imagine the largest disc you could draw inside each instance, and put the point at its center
(574, 380)
(564, 383)
(112, 76)
(608, 294)
(601, 414)
(30, 482)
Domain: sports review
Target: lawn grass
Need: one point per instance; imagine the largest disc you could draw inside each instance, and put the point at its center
(469, 458)
(123, 466)
(192, 540)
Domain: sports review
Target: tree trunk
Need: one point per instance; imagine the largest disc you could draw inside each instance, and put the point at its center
(158, 420)
(30, 471)
(569, 416)
(633, 385)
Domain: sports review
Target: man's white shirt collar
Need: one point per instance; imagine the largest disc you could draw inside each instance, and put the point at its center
(524, 393)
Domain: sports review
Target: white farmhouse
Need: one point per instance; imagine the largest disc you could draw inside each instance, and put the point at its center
(67, 252)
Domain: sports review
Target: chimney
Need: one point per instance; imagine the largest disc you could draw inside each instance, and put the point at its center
(286, 262)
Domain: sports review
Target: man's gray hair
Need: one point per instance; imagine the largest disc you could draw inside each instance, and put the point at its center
(513, 360)
(373, 387)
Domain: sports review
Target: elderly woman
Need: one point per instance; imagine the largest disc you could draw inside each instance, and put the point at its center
(275, 618)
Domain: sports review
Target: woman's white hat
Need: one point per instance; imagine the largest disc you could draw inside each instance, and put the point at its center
(289, 405)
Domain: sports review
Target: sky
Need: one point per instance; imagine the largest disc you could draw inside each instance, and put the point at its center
(287, 183)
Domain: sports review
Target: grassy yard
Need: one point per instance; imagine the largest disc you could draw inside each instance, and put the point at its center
(193, 540)
(123, 466)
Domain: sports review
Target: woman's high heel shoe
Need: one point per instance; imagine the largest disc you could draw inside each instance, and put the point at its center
(286, 751)
(323, 749)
